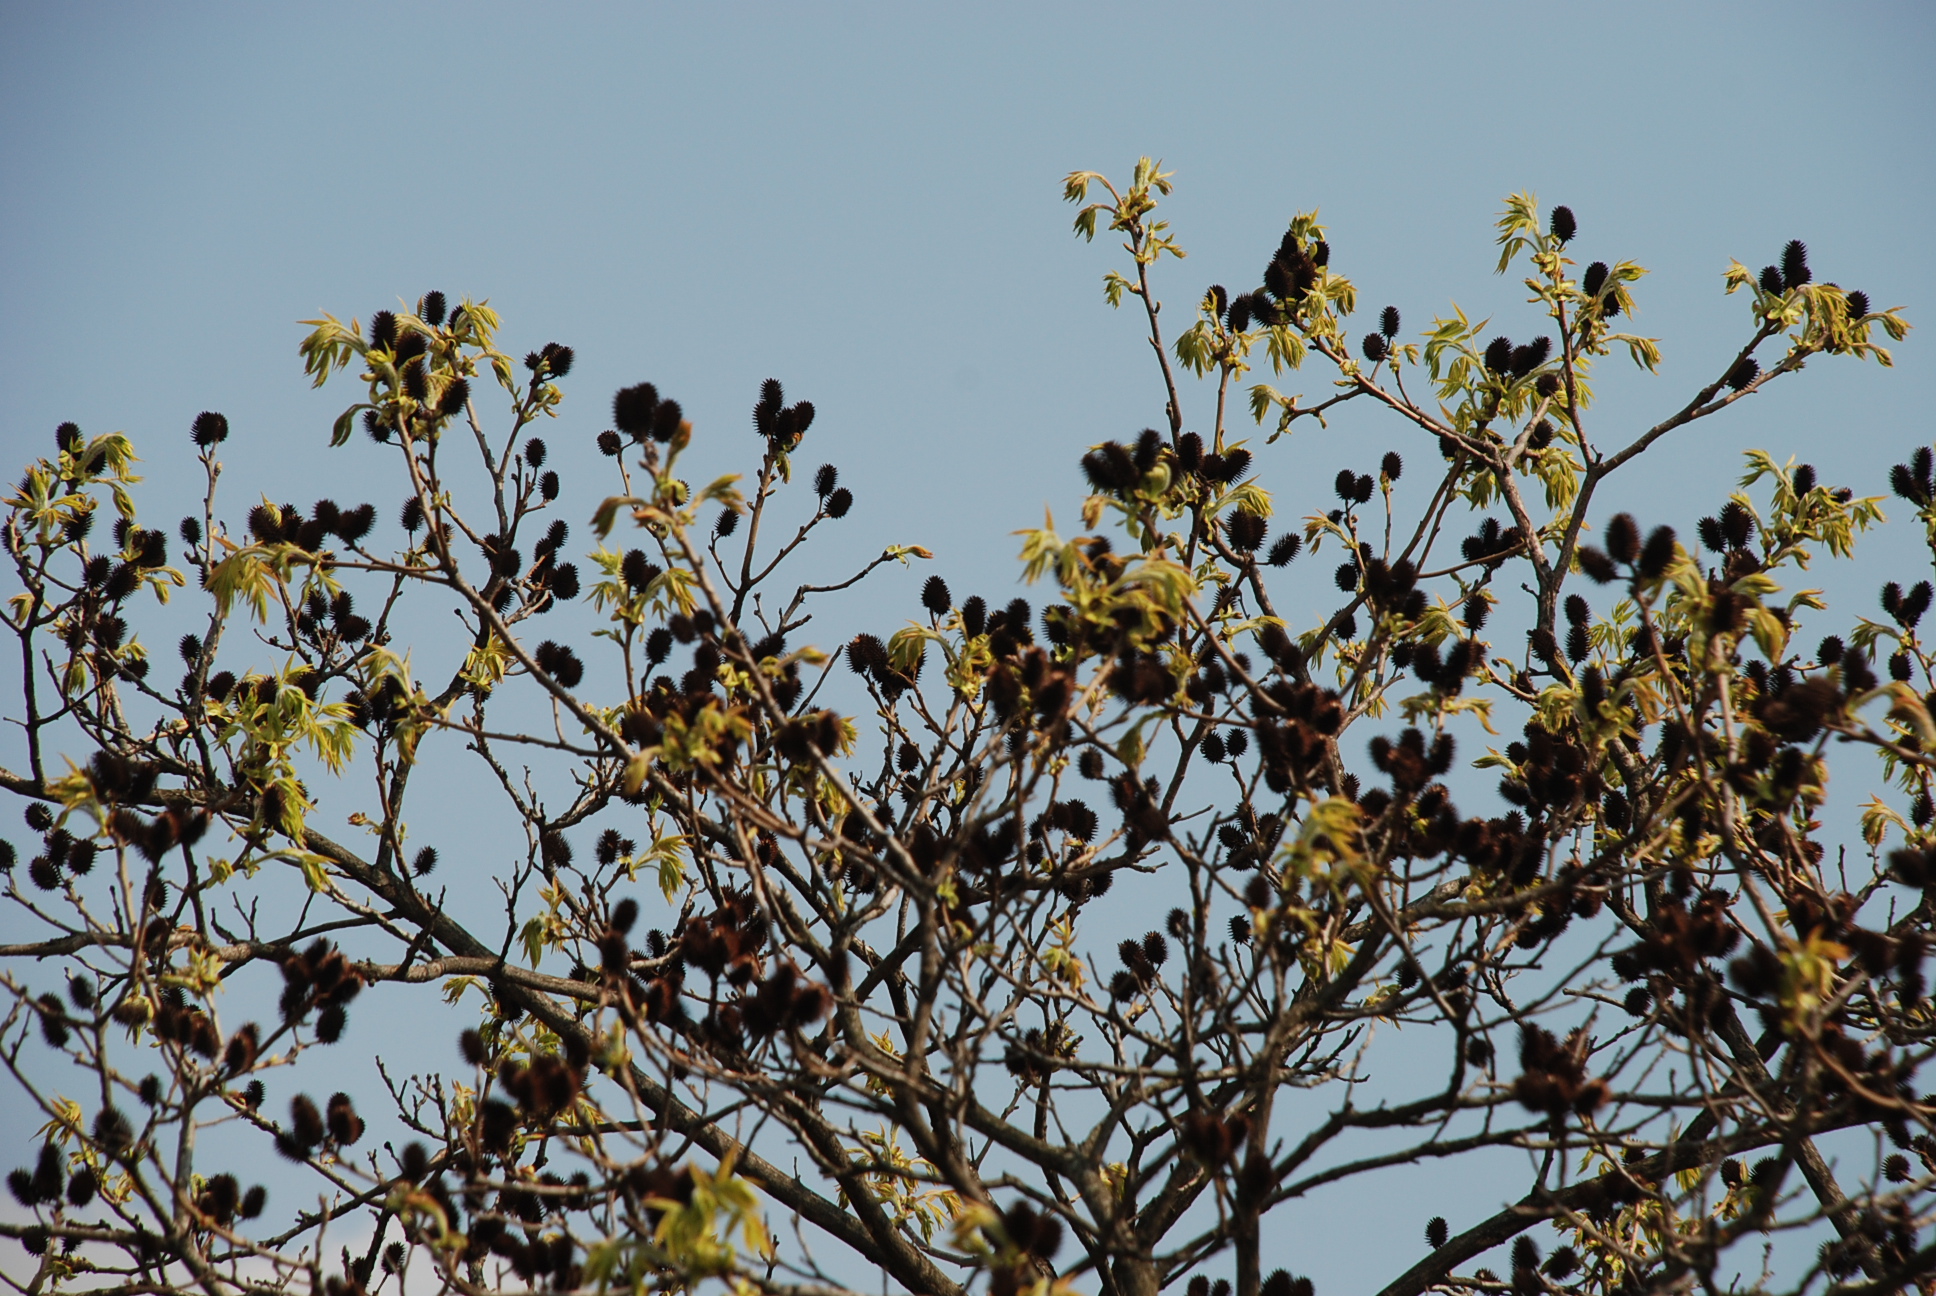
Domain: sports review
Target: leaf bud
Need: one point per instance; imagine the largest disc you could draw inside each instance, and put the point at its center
(1657, 552)
(209, 429)
(1794, 264)
(633, 409)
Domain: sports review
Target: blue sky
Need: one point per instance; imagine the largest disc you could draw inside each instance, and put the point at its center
(864, 201)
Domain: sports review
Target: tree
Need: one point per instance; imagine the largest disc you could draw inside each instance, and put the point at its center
(875, 1000)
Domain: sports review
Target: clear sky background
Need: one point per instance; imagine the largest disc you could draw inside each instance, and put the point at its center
(864, 201)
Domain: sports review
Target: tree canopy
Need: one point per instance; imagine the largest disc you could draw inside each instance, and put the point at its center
(984, 948)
